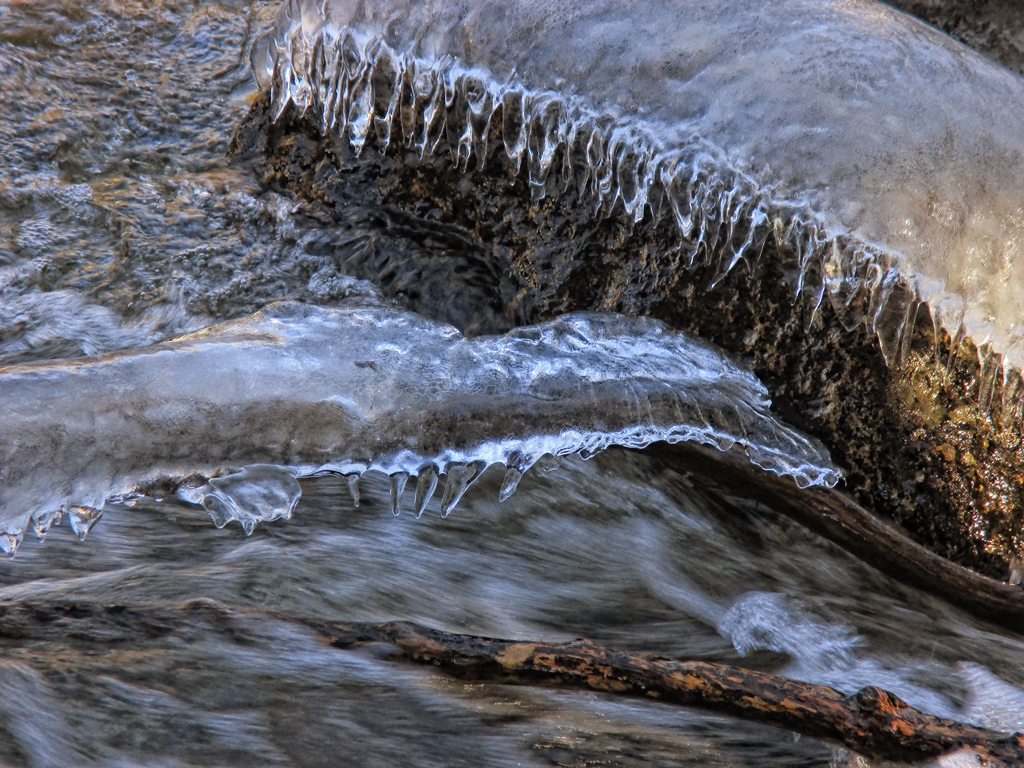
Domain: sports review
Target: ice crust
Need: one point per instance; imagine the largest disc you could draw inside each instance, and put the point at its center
(230, 416)
(888, 155)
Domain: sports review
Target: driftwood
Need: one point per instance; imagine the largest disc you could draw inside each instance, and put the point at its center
(871, 722)
(879, 544)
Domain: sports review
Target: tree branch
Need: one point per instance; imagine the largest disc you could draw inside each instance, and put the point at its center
(871, 722)
(869, 538)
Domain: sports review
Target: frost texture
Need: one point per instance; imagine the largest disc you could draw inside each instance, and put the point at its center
(295, 391)
(887, 155)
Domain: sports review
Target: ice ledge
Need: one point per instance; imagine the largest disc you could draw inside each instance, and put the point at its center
(229, 416)
(877, 238)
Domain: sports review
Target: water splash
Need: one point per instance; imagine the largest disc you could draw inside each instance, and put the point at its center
(895, 184)
(828, 654)
(230, 416)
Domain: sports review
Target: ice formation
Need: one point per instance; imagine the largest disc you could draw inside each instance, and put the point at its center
(888, 155)
(230, 416)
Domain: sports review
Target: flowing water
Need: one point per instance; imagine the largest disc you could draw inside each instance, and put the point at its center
(122, 224)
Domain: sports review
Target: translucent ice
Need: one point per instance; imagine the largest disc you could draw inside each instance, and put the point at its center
(228, 417)
(886, 154)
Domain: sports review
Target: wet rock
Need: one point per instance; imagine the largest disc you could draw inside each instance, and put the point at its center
(992, 27)
(931, 443)
(890, 429)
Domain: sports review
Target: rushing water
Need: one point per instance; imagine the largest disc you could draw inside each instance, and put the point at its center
(121, 224)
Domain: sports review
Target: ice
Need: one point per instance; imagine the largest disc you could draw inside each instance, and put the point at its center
(352, 481)
(884, 153)
(83, 518)
(43, 521)
(509, 483)
(230, 416)
(460, 477)
(398, 481)
(256, 493)
(425, 485)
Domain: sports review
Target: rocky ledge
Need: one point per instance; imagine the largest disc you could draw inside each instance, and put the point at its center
(927, 443)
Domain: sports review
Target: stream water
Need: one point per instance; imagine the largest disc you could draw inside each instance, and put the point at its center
(122, 224)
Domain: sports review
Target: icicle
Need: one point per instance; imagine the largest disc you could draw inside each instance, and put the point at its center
(954, 348)
(891, 322)
(460, 477)
(360, 118)
(218, 511)
(43, 521)
(353, 487)
(516, 466)
(383, 126)
(817, 297)
(262, 59)
(254, 493)
(880, 293)
(407, 112)
(435, 113)
(948, 315)
(398, 481)
(464, 148)
(426, 482)
(593, 160)
(549, 462)
(82, 519)
(844, 285)
(755, 221)
(509, 483)
(909, 326)
(1011, 396)
(536, 167)
(319, 76)
(990, 363)
(514, 127)
(332, 95)
(9, 543)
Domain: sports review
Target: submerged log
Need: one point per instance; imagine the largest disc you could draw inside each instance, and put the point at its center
(881, 545)
(871, 722)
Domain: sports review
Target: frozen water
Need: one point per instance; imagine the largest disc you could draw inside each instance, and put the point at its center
(885, 153)
(229, 416)
(622, 549)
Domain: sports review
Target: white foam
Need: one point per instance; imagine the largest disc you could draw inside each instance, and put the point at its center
(992, 702)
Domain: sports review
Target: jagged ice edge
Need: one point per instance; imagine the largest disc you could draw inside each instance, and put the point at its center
(338, 74)
(661, 380)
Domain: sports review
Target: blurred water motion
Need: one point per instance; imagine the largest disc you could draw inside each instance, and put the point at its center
(121, 224)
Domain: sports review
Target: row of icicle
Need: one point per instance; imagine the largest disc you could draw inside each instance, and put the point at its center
(459, 477)
(359, 86)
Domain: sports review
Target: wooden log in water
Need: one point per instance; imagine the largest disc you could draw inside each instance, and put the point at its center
(870, 722)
